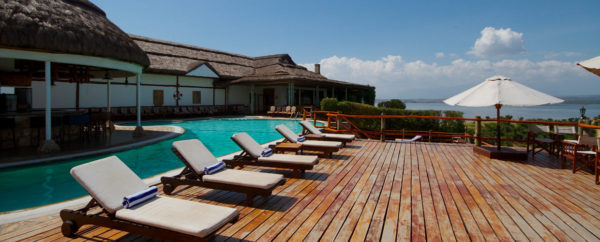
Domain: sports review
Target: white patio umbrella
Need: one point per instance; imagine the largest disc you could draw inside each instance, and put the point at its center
(592, 65)
(497, 91)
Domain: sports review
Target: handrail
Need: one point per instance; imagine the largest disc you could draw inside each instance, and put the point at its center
(335, 117)
(581, 125)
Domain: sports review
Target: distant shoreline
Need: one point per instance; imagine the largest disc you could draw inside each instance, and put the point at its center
(584, 100)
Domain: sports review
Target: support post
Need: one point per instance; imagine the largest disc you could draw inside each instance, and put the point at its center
(48, 145)
(318, 95)
(252, 99)
(382, 127)
(108, 95)
(139, 131)
(478, 131)
(177, 90)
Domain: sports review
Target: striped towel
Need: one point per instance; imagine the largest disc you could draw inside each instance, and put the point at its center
(139, 197)
(212, 169)
(301, 139)
(266, 153)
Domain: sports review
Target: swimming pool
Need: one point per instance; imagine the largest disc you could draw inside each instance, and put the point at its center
(24, 187)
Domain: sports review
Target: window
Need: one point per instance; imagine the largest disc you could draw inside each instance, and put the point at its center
(197, 97)
(158, 97)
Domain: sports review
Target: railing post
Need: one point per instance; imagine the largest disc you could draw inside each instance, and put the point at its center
(337, 122)
(314, 113)
(382, 136)
(478, 131)
(429, 134)
(403, 133)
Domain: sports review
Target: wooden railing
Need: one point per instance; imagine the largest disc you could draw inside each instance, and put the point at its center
(341, 123)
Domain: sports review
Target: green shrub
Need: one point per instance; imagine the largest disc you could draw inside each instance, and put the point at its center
(394, 103)
(329, 104)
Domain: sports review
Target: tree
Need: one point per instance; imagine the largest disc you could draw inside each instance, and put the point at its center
(394, 103)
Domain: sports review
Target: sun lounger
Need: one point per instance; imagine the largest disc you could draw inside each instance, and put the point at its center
(109, 180)
(252, 154)
(327, 147)
(196, 157)
(414, 139)
(330, 137)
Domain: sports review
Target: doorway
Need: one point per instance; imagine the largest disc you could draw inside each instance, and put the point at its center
(268, 98)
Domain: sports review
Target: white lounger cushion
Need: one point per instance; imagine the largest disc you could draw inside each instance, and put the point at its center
(249, 145)
(193, 218)
(196, 154)
(319, 143)
(108, 180)
(287, 133)
(244, 178)
(291, 159)
(311, 128)
(340, 136)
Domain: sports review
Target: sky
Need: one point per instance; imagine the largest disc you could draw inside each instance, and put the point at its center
(406, 49)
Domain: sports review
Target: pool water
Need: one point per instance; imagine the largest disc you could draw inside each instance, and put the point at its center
(24, 187)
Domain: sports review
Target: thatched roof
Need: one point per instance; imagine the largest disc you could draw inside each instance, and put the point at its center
(179, 59)
(65, 26)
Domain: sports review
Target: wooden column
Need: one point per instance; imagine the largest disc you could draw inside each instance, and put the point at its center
(139, 131)
(48, 145)
(177, 90)
(478, 131)
(252, 101)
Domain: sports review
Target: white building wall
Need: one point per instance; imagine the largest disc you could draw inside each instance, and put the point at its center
(239, 94)
(94, 94)
(220, 97)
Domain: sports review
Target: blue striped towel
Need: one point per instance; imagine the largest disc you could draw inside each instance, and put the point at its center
(139, 197)
(266, 153)
(301, 139)
(212, 169)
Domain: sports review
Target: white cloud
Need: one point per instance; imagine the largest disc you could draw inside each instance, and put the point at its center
(498, 43)
(440, 55)
(394, 77)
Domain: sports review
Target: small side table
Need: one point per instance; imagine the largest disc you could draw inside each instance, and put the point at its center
(287, 147)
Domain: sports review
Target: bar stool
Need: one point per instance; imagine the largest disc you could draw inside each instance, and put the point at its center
(37, 123)
(9, 124)
(82, 121)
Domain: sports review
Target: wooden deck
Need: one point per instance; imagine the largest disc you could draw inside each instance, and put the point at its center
(399, 191)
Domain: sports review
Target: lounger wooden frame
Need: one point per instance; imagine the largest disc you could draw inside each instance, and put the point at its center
(324, 137)
(74, 219)
(189, 177)
(246, 159)
(325, 149)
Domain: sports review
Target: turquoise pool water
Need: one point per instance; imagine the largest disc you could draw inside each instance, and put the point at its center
(31, 186)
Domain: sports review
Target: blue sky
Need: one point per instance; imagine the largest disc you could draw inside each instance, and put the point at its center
(416, 49)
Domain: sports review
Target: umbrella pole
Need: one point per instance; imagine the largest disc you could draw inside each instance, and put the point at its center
(498, 139)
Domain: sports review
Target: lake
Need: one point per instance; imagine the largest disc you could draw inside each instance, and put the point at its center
(556, 111)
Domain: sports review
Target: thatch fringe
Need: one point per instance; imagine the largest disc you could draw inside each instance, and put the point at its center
(65, 26)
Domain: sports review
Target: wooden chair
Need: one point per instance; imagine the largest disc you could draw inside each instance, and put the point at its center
(566, 130)
(548, 144)
(196, 157)
(271, 111)
(582, 153)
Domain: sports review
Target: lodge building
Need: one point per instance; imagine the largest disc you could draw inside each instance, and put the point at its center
(64, 58)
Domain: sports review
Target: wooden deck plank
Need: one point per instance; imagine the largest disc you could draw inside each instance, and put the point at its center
(455, 199)
(442, 216)
(395, 191)
(520, 229)
(431, 222)
(319, 228)
(377, 222)
(390, 226)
